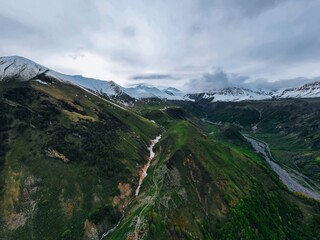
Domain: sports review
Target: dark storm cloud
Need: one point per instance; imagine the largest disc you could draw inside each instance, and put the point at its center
(215, 80)
(220, 79)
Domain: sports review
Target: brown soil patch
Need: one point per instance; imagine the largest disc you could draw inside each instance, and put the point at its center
(123, 199)
(90, 231)
(12, 198)
(125, 190)
(69, 206)
(55, 154)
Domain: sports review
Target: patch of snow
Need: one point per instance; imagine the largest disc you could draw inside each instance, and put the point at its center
(41, 82)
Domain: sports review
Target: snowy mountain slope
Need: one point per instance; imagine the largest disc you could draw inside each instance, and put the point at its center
(231, 95)
(19, 68)
(310, 90)
(23, 69)
(145, 91)
(174, 92)
(109, 88)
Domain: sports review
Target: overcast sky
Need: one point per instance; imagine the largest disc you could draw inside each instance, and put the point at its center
(189, 44)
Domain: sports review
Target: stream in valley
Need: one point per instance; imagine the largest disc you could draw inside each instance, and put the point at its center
(142, 176)
(288, 179)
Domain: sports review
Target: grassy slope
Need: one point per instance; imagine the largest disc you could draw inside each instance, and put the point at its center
(200, 185)
(291, 127)
(45, 196)
(204, 186)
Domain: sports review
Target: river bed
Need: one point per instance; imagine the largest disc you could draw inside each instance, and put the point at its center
(287, 178)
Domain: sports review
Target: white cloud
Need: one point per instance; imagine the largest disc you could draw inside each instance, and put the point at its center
(116, 40)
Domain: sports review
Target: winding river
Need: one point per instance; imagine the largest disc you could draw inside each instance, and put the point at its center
(286, 177)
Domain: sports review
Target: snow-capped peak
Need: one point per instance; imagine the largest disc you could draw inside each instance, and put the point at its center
(19, 68)
(22, 69)
(232, 94)
(145, 91)
(308, 90)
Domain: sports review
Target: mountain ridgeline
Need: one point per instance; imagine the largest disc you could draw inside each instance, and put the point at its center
(77, 161)
(24, 69)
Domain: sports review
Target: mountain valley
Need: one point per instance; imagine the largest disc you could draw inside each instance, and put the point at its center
(82, 158)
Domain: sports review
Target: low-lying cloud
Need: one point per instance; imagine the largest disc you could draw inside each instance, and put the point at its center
(218, 79)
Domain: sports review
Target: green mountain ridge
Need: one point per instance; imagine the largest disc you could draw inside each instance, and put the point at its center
(70, 163)
(67, 152)
(289, 126)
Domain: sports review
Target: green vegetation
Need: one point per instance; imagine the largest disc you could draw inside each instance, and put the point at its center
(263, 215)
(69, 162)
(209, 186)
(64, 160)
(289, 126)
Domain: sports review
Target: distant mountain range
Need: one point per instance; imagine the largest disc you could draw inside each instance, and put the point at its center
(235, 94)
(232, 94)
(23, 69)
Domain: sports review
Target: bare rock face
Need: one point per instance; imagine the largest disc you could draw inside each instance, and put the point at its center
(55, 154)
(123, 199)
(90, 231)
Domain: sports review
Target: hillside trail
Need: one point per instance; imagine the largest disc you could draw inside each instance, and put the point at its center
(287, 178)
